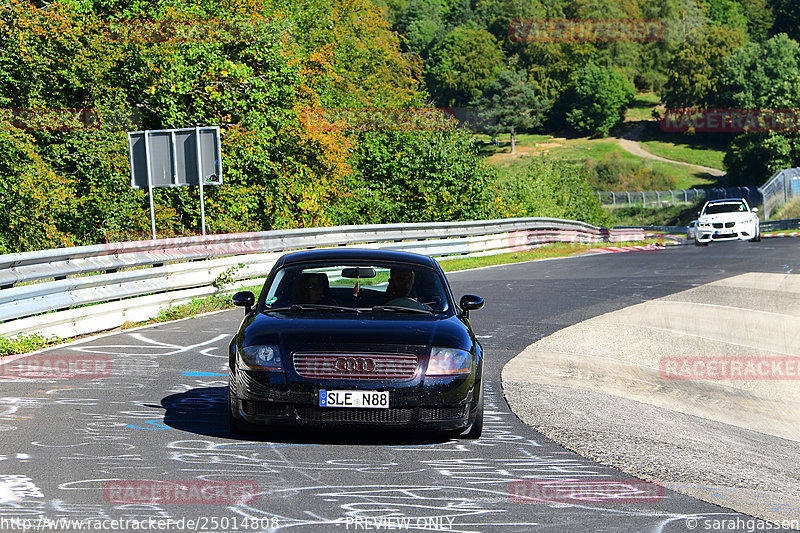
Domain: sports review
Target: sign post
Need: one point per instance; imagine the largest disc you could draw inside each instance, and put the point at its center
(175, 158)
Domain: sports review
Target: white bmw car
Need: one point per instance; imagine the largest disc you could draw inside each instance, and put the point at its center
(727, 220)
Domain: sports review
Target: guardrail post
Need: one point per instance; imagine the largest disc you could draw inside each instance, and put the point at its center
(644, 200)
(613, 200)
(629, 197)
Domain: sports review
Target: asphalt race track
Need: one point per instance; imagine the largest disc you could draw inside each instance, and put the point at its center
(74, 448)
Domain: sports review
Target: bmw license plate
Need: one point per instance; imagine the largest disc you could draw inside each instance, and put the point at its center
(369, 399)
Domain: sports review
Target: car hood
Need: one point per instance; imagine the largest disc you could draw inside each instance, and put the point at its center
(727, 217)
(370, 332)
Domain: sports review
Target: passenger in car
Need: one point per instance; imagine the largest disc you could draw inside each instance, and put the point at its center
(312, 288)
(401, 284)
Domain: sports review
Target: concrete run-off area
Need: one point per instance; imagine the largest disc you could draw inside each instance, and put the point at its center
(699, 390)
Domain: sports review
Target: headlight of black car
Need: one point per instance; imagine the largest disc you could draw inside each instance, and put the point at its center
(448, 362)
(261, 357)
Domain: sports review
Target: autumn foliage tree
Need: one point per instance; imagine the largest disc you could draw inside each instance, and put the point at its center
(273, 75)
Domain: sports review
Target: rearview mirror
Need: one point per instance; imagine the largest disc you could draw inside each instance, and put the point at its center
(358, 272)
(754, 210)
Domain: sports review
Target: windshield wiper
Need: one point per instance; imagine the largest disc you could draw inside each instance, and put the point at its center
(312, 307)
(401, 309)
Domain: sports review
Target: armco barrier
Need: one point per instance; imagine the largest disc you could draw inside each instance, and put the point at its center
(48, 291)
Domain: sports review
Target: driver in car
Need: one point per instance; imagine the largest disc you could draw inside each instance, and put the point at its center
(401, 283)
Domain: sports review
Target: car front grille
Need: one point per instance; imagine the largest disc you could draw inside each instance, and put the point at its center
(321, 414)
(718, 225)
(355, 365)
(441, 413)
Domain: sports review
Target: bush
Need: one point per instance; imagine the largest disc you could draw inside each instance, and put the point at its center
(612, 173)
(545, 187)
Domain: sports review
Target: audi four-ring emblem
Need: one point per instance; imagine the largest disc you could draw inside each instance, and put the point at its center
(354, 365)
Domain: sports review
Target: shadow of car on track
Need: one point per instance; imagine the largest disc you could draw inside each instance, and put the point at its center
(204, 411)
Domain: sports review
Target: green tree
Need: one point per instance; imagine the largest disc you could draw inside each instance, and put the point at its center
(509, 103)
(787, 18)
(597, 99)
(762, 76)
(760, 19)
(414, 176)
(693, 73)
(730, 13)
(461, 68)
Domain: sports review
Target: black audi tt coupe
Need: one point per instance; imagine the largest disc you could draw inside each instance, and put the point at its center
(356, 337)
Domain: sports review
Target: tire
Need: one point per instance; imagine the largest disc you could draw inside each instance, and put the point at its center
(237, 427)
(698, 243)
(476, 429)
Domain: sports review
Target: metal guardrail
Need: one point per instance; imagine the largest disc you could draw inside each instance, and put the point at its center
(49, 291)
(619, 199)
(778, 225)
(782, 186)
(658, 229)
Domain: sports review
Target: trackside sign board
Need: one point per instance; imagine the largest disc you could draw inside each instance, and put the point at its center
(175, 158)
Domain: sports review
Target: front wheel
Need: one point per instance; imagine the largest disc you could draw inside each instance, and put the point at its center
(236, 426)
(698, 243)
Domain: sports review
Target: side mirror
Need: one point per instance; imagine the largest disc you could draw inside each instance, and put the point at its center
(754, 210)
(470, 302)
(244, 299)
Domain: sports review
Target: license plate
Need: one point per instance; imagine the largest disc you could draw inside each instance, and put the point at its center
(364, 399)
(723, 233)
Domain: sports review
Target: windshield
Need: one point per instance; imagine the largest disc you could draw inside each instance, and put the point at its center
(725, 207)
(374, 287)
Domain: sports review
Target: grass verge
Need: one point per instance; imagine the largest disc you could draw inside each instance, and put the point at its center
(584, 149)
(548, 251)
(27, 343)
(677, 215)
(790, 209)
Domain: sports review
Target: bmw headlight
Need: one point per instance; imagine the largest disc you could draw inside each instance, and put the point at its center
(448, 362)
(261, 357)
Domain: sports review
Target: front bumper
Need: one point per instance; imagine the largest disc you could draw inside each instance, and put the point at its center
(737, 231)
(435, 404)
